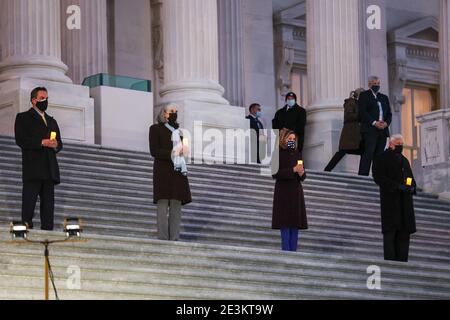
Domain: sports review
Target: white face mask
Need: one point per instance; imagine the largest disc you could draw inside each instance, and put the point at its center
(291, 102)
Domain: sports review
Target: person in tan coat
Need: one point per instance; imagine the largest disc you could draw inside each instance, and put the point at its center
(350, 142)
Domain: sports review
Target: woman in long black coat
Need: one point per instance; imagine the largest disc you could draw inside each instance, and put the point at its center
(289, 211)
(170, 186)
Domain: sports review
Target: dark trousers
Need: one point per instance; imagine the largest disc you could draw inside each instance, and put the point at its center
(45, 189)
(289, 239)
(254, 148)
(375, 143)
(396, 245)
(335, 160)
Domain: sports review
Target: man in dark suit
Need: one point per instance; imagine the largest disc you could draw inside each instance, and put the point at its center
(293, 117)
(256, 124)
(391, 171)
(40, 170)
(376, 116)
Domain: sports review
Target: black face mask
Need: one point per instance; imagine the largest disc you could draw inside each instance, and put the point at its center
(42, 105)
(173, 117)
(376, 89)
(399, 149)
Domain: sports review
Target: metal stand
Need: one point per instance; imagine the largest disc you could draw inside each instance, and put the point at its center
(46, 243)
(46, 271)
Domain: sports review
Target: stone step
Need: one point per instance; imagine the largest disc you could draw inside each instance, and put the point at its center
(210, 268)
(434, 235)
(237, 256)
(309, 241)
(80, 150)
(316, 186)
(146, 187)
(265, 197)
(326, 217)
(227, 249)
(144, 166)
(14, 201)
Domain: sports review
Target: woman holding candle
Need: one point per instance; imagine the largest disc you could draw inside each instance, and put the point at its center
(289, 211)
(170, 184)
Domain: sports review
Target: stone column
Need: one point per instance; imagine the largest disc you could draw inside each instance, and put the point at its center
(374, 51)
(85, 51)
(191, 51)
(191, 79)
(444, 52)
(157, 48)
(258, 51)
(333, 72)
(30, 40)
(231, 62)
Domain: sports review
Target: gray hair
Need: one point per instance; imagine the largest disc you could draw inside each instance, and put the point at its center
(396, 137)
(373, 78)
(160, 118)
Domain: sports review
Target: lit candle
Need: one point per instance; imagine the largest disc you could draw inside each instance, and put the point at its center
(300, 162)
(53, 135)
(409, 181)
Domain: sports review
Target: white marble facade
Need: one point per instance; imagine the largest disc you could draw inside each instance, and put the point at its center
(216, 57)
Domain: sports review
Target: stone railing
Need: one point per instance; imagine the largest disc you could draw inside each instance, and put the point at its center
(435, 153)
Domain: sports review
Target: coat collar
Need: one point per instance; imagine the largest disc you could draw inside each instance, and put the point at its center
(297, 106)
(35, 115)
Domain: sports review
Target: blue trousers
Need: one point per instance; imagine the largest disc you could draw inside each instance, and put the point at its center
(289, 239)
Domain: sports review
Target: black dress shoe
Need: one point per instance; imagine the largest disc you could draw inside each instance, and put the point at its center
(29, 225)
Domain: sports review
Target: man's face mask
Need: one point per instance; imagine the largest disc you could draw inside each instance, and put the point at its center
(376, 88)
(42, 105)
(399, 149)
(291, 102)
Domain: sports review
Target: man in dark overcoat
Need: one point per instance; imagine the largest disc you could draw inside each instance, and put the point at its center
(392, 172)
(40, 170)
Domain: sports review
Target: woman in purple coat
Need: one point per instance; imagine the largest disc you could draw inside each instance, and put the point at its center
(289, 211)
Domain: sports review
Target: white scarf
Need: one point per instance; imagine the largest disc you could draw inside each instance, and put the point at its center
(179, 162)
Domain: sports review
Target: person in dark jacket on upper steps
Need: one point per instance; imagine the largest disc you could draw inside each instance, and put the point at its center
(293, 117)
(256, 125)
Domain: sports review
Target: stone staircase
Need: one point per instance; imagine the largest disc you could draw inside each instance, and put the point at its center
(227, 249)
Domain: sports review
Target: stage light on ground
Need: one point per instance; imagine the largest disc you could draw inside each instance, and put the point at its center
(18, 230)
(73, 227)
